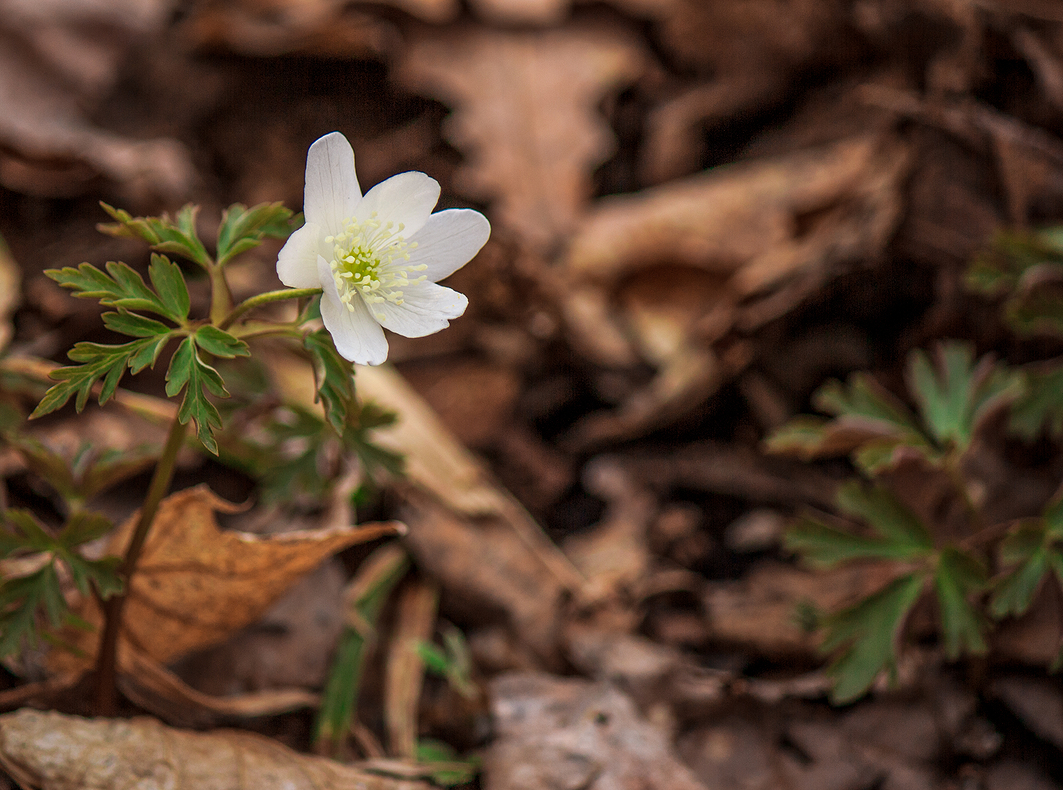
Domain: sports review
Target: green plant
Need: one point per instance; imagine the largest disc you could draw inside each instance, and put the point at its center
(977, 573)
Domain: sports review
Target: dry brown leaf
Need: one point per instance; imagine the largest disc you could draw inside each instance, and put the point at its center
(196, 585)
(10, 292)
(526, 114)
(465, 530)
(416, 619)
(56, 59)
(51, 751)
(436, 462)
(151, 686)
(566, 732)
(613, 555)
(771, 230)
(490, 571)
(278, 27)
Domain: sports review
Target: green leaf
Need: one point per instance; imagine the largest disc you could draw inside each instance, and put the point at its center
(1040, 407)
(869, 632)
(886, 514)
(220, 343)
(825, 546)
(112, 467)
(134, 325)
(170, 285)
(177, 235)
(377, 577)
(31, 536)
(83, 526)
(868, 422)
(100, 361)
(334, 376)
(959, 576)
(445, 766)
(435, 660)
(122, 287)
(102, 574)
(1026, 267)
(243, 229)
(1024, 551)
(862, 396)
(955, 394)
(187, 368)
(45, 463)
(20, 600)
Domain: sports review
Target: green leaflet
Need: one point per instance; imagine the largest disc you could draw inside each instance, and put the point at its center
(869, 632)
(176, 236)
(121, 286)
(24, 598)
(334, 376)
(243, 228)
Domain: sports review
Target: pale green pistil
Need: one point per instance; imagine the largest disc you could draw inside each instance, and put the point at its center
(370, 259)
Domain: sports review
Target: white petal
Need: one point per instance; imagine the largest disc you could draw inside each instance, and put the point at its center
(297, 260)
(332, 190)
(426, 308)
(449, 240)
(357, 336)
(407, 198)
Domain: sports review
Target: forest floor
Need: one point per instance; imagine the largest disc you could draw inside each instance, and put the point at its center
(701, 212)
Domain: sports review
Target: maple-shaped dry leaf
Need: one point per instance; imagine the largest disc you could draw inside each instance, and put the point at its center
(196, 584)
(526, 114)
(52, 751)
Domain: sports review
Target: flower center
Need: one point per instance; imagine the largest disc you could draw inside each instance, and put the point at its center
(370, 259)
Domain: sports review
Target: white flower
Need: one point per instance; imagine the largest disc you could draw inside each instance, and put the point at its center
(377, 257)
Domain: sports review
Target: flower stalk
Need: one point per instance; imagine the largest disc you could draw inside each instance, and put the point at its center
(107, 657)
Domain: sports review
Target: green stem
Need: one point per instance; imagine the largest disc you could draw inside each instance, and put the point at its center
(264, 329)
(106, 659)
(952, 469)
(266, 298)
(221, 299)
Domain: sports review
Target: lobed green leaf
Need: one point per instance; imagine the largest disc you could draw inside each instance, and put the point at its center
(957, 577)
(122, 286)
(955, 394)
(220, 343)
(189, 372)
(244, 228)
(869, 632)
(886, 514)
(106, 362)
(177, 235)
(334, 376)
(825, 546)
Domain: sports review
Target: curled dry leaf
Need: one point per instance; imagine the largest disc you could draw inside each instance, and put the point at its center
(526, 114)
(769, 231)
(51, 751)
(196, 584)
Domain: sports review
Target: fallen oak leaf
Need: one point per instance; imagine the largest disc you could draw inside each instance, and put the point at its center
(526, 114)
(196, 584)
(52, 751)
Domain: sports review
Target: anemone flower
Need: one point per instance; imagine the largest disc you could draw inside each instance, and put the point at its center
(377, 257)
